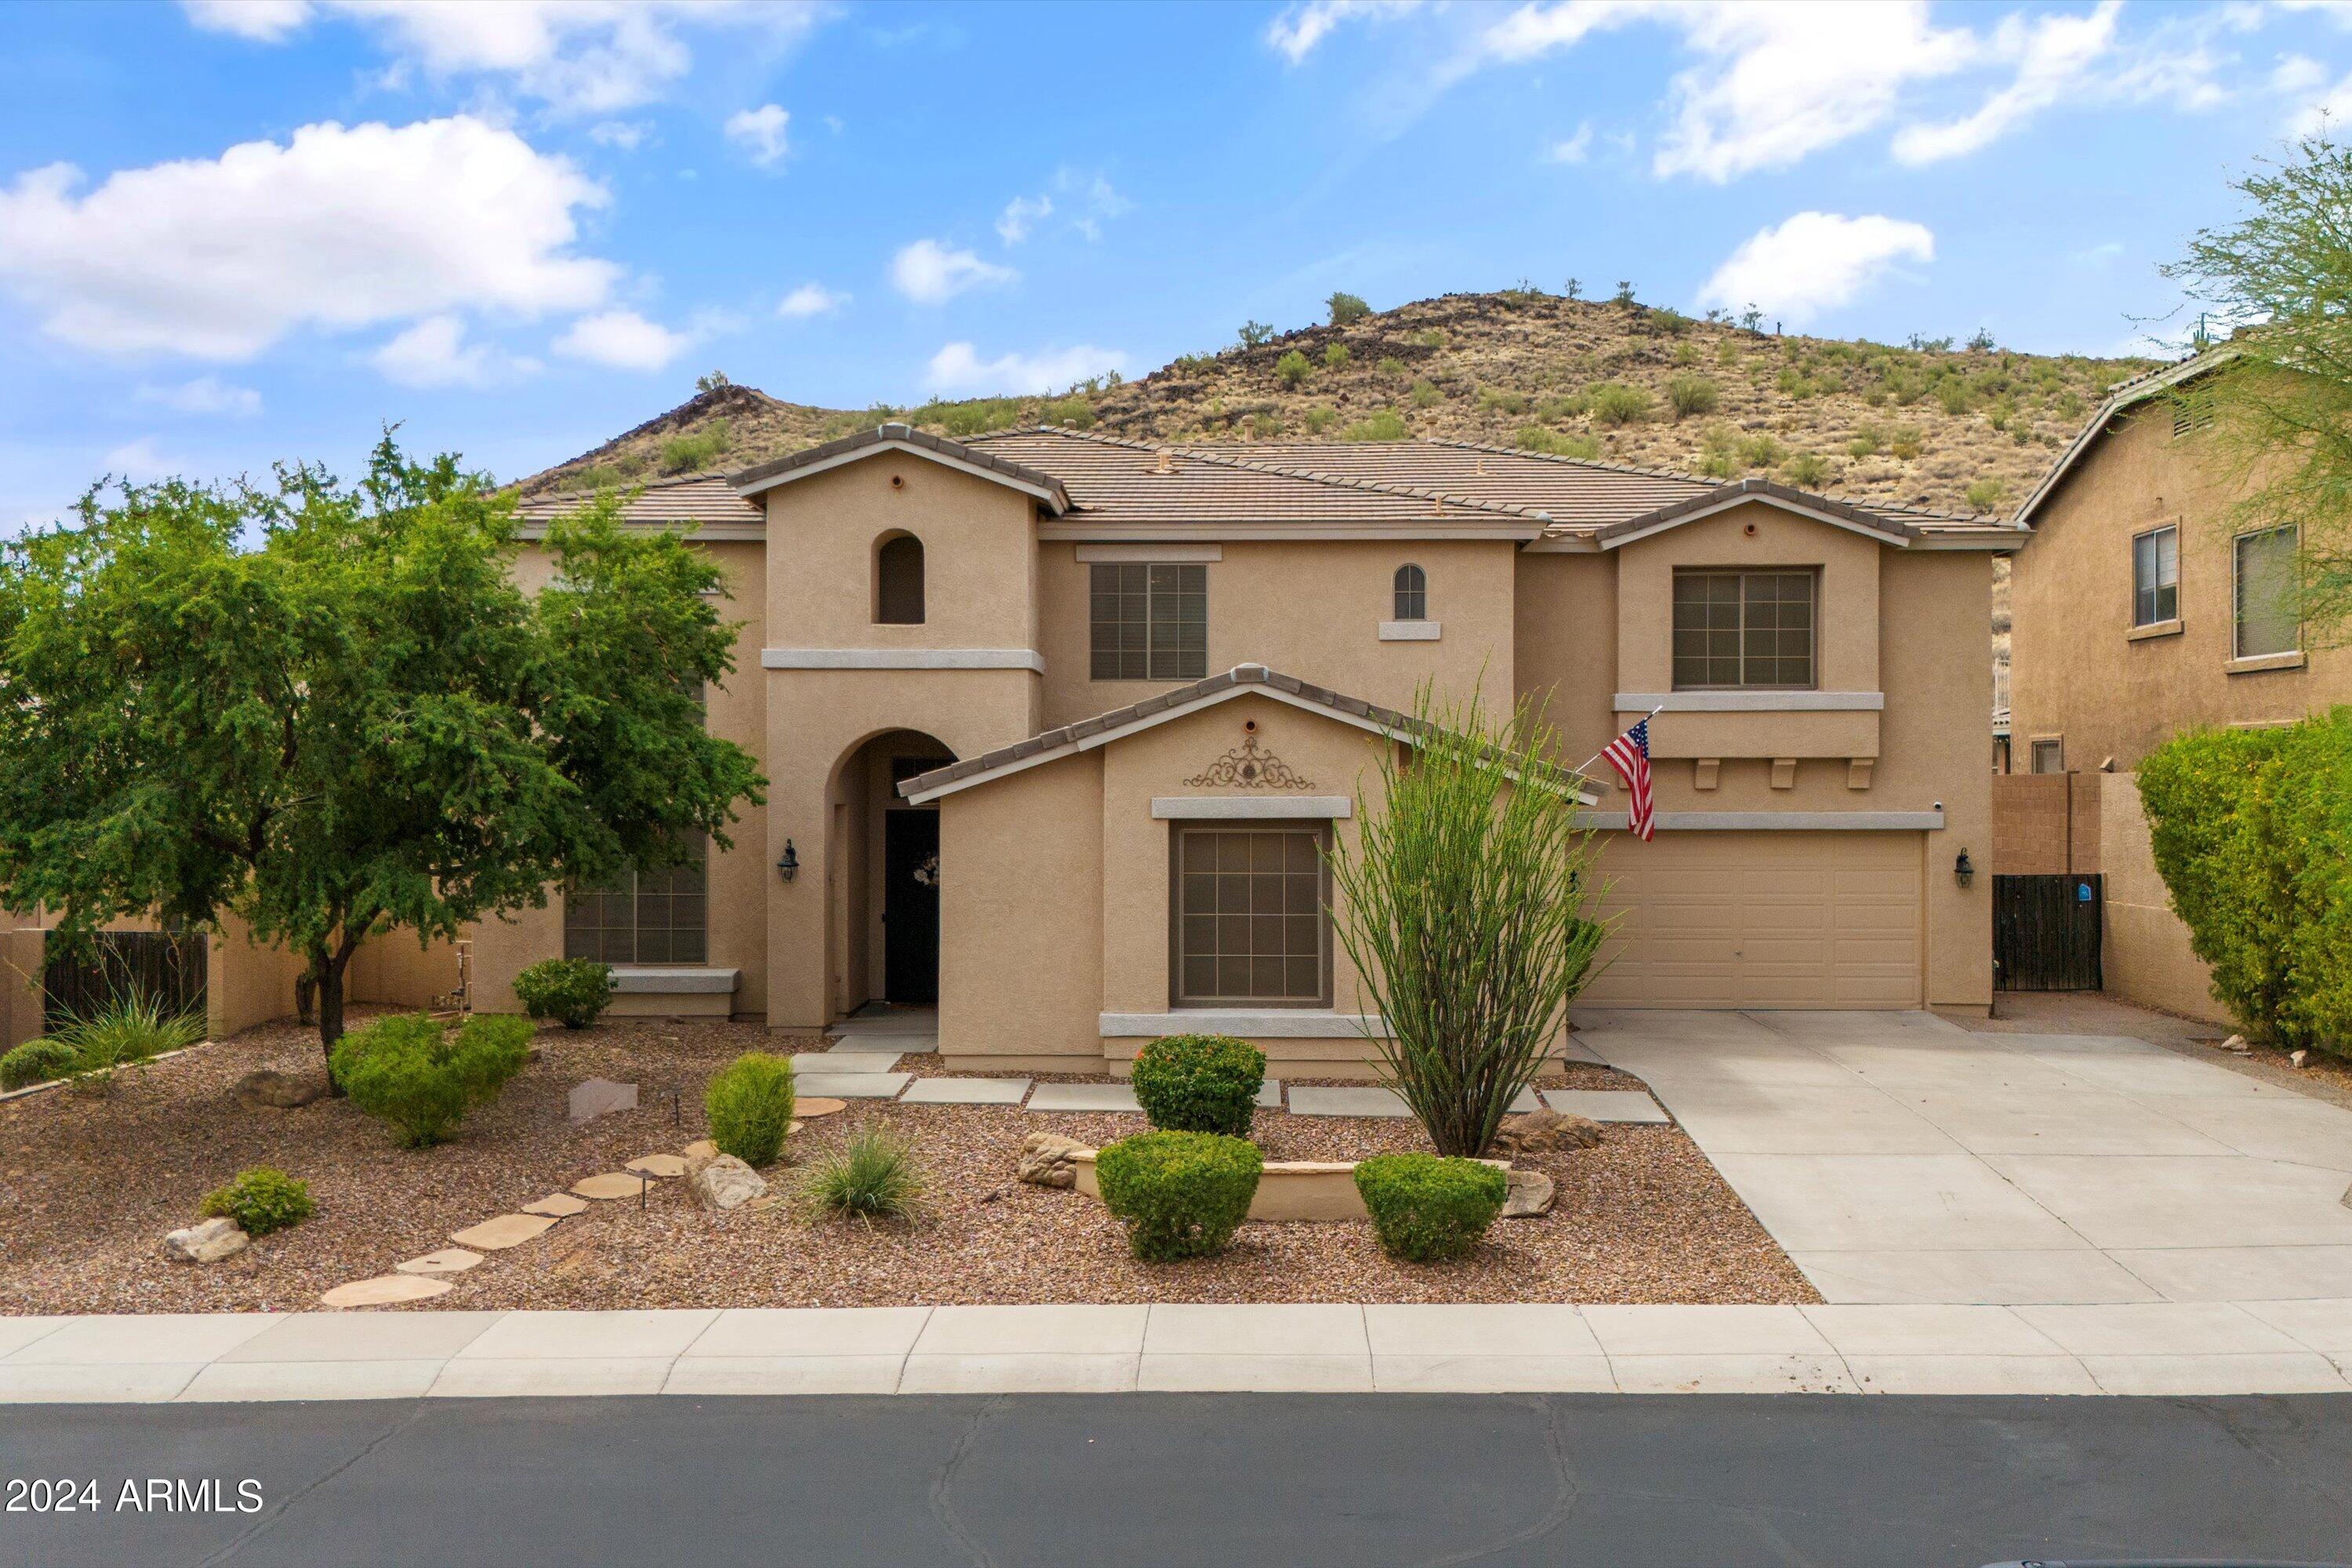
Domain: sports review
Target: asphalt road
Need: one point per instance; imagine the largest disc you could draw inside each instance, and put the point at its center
(1227, 1480)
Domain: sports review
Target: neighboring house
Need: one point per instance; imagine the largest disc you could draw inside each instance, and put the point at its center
(1057, 726)
(2135, 612)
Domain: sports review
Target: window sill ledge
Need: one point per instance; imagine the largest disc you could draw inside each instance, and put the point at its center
(2171, 628)
(643, 980)
(1270, 1023)
(1409, 631)
(2260, 662)
(1753, 702)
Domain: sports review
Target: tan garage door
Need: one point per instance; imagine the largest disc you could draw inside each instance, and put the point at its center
(1763, 920)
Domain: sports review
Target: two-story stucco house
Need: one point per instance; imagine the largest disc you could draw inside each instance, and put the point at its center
(1058, 724)
(2137, 612)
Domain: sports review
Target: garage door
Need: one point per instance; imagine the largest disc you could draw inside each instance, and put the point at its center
(1763, 920)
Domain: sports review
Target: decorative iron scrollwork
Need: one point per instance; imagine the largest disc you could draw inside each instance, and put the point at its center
(1246, 766)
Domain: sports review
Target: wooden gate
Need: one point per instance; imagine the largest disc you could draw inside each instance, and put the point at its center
(114, 965)
(2046, 932)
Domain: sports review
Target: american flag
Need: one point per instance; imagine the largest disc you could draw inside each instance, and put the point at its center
(1629, 753)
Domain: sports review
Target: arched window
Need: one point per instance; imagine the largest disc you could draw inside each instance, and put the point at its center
(898, 581)
(1412, 593)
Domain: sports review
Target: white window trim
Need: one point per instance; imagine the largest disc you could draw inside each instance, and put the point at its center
(2173, 620)
(1409, 631)
(670, 980)
(902, 658)
(1753, 700)
(1250, 808)
(1161, 554)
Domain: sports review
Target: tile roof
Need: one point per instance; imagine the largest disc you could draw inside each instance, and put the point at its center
(894, 434)
(693, 498)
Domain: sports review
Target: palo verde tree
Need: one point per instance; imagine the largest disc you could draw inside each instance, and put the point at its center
(1462, 912)
(2276, 414)
(334, 713)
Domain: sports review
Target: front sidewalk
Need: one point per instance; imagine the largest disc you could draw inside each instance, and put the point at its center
(2145, 1348)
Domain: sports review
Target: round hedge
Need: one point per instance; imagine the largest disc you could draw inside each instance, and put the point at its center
(261, 1199)
(573, 991)
(750, 1107)
(37, 1061)
(1426, 1209)
(1181, 1193)
(1199, 1083)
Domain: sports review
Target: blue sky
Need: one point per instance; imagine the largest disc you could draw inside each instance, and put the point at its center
(236, 232)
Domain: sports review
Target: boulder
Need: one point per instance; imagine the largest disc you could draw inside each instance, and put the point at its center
(2237, 1043)
(723, 1181)
(601, 1097)
(277, 1091)
(208, 1242)
(1527, 1195)
(1045, 1160)
(1545, 1132)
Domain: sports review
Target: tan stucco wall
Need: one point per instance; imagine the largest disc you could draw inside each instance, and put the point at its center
(1308, 609)
(2074, 670)
(2143, 953)
(246, 984)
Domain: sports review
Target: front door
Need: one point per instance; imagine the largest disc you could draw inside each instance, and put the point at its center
(911, 907)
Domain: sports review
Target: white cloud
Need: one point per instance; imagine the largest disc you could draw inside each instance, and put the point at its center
(337, 229)
(1299, 28)
(930, 273)
(2054, 54)
(958, 368)
(139, 461)
(1814, 262)
(623, 340)
(2297, 73)
(1095, 197)
(264, 21)
(204, 394)
(761, 130)
(435, 352)
(811, 299)
(1020, 216)
(1572, 149)
(628, 135)
(586, 56)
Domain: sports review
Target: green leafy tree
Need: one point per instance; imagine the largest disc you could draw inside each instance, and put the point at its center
(1347, 308)
(2276, 416)
(333, 712)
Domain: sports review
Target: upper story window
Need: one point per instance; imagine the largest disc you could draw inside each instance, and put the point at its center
(898, 581)
(1412, 593)
(2049, 756)
(2263, 593)
(2155, 576)
(1744, 630)
(659, 916)
(1151, 621)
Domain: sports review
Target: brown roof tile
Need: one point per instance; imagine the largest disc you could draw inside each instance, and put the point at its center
(909, 436)
(693, 498)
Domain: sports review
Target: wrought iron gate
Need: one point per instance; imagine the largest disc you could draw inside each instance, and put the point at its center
(2046, 932)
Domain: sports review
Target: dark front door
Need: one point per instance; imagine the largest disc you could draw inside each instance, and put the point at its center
(911, 907)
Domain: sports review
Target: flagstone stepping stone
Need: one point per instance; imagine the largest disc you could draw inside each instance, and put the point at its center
(599, 1097)
(664, 1165)
(448, 1260)
(704, 1148)
(507, 1230)
(385, 1290)
(816, 1105)
(611, 1184)
(556, 1205)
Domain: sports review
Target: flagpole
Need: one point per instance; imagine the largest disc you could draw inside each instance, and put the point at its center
(1596, 756)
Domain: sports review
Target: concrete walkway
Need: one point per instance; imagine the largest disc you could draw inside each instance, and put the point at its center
(1900, 1158)
(2278, 1347)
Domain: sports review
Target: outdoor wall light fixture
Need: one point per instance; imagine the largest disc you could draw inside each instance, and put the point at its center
(789, 867)
(1964, 872)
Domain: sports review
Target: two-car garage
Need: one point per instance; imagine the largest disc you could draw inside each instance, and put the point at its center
(1732, 919)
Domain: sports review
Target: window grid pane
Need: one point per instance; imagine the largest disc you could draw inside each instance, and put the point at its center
(1148, 622)
(1412, 593)
(661, 916)
(1743, 629)
(1250, 923)
(2155, 576)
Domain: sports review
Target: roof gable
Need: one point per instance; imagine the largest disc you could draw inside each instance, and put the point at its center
(2123, 396)
(895, 437)
(1821, 509)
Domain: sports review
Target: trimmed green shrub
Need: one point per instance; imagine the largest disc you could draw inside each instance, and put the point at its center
(2251, 832)
(1199, 1083)
(1426, 1209)
(37, 1061)
(261, 1199)
(410, 1071)
(750, 1106)
(1182, 1194)
(573, 991)
(873, 1177)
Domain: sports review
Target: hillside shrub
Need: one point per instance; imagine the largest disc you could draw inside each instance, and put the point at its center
(1426, 1209)
(748, 1104)
(260, 1199)
(1494, 399)
(1614, 403)
(874, 1176)
(1425, 395)
(1691, 395)
(1760, 451)
(696, 450)
(1806, 470)
(1953, 394)
(1319, 420)
(410, 1071)
(573, 991)
(1536, 439)
(2251, 832)
(1182, 1194)
(1905, 441)
(1560, 408)
(36, 1061)
(1379, 424)
(1390, 366)
(1984, 494)
(1335, 355)
(1199, 1083)
(1292, 368)
(1346, 308)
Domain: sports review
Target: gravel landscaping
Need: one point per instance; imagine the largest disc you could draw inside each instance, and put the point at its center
(89, 1185)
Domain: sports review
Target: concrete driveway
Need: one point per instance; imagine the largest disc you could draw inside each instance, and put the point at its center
(1900, 1158)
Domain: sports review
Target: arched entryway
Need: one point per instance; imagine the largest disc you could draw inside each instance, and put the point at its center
(882, 894)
